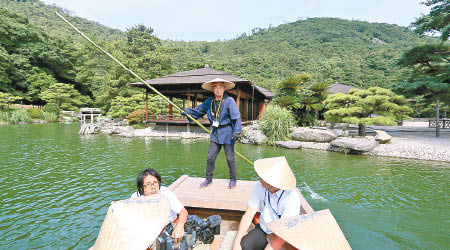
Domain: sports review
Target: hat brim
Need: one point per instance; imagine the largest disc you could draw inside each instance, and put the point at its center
(276, 172)
(133, 223)
(209, 85)
(318, 231)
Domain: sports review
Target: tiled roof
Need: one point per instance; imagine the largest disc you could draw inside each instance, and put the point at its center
(340, 88)
(199, 76)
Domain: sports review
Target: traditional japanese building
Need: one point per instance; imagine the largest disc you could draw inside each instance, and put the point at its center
(340, 88)
(250, 98)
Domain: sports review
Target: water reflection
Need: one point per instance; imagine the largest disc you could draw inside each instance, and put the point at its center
(56, 186)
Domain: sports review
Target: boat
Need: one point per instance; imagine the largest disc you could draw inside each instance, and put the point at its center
(218, 199)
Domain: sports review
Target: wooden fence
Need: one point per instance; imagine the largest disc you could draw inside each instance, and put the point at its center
(443, 123)
(26, 106)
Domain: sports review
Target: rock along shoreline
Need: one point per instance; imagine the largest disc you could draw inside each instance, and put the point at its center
(408, 149)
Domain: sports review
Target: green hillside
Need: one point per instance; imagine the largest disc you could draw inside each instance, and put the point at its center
(331, 50)
(42, 15)
(37, 49)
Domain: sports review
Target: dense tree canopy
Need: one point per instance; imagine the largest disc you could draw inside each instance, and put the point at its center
(37, 50)
(330, 50)
(437, 21)
(28, 52)
(429, 65)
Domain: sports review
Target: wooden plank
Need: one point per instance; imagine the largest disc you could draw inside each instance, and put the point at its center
(176, 183)
(187, 190)
(305, 207)
(191, 195)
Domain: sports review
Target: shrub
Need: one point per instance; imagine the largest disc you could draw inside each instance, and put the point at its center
(4, 116)
(49, 116)
(19, 115)
(276, 123)
(35, 113)
(136, 117)
(138, 126)
(52, 108)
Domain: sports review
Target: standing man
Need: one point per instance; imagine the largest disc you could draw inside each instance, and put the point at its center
(276, 197)
(225, 119)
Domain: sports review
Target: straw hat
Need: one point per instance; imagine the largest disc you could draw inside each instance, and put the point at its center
(133, 223)
(208, 85)
(318, 231)
(276, 172)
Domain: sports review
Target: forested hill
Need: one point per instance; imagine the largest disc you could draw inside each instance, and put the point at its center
(42, 15)
(331, 50)
(37, 50)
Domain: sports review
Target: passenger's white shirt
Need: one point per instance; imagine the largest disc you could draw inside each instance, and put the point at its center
(285, 203)
(175, 204)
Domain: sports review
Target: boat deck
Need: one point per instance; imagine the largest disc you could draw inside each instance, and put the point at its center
(217, 198)
(230, 204)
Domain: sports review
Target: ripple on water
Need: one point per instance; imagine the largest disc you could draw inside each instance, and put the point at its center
(56, 187)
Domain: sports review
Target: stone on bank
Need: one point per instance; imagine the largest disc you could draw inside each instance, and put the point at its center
(354, 145)
(312, 135)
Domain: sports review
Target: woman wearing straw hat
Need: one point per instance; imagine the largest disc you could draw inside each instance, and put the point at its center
(149, 183)
(135, 223)
(276, 197)
(224, 116)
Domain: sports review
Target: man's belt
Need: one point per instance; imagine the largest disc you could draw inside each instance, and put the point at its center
(226, 125)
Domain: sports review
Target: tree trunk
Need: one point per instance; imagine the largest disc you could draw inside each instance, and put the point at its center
(362, 130)
(306, 118)
(437, 119)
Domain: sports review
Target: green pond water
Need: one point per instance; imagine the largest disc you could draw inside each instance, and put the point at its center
(56, 186)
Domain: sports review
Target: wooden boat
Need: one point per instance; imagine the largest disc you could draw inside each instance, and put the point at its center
(230, 204)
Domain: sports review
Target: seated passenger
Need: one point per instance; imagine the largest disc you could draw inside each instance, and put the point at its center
(148, 183)
(275, 197)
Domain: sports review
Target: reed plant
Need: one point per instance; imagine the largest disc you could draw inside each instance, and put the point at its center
(4, 116)
(276, 123)
(19, 115)
(50, 116)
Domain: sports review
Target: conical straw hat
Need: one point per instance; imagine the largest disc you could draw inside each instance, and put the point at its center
(314, 231)
(133, 224)
(276, 172)
(208, 85)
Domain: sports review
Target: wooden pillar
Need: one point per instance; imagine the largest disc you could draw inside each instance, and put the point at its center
(195, 100)
(184, 104)
(246, 109)
(238, 96)
(146, 108)
(189, 98)
(92, 117)
(170, 109)
(261, 110)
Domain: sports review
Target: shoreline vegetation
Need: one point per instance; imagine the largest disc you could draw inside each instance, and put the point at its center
(298, 61)
(30, 114)
(408, 145)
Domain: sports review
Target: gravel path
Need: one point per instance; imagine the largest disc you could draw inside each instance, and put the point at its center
(413, 151)
(411, 145)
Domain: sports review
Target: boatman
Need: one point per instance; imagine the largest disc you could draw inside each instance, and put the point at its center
(224, 116)
(275, 197)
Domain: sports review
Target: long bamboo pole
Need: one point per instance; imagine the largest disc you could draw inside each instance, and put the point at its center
(143, 81)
